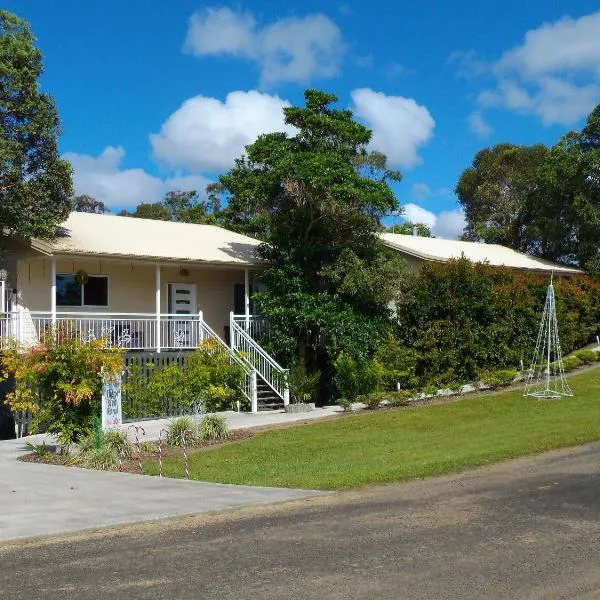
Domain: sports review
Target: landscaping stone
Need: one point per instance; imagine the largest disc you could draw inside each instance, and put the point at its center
(300, 407)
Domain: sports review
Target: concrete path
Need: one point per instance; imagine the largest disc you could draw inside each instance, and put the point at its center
(41, 499)
(244, 420)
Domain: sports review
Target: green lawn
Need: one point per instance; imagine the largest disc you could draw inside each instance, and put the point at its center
(392, 445)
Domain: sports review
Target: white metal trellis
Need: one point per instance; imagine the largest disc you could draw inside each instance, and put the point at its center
(546, 377)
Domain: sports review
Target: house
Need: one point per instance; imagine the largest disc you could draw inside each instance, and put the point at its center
(418, 250)
(140, 284)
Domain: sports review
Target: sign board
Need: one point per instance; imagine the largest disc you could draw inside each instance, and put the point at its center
(111, 401)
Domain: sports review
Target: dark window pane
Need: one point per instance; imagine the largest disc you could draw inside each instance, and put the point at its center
(239, 299)
(68, 291)
(95, 291)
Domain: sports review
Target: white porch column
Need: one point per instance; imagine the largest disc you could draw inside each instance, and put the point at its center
(53, 290)
(247, 299)
(157, 294)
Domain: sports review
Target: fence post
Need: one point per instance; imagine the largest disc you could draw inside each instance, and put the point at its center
(253, 392)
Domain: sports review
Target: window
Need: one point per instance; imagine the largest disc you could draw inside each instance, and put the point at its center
(69, 292)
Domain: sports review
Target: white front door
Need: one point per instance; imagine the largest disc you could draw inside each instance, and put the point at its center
(182, 329)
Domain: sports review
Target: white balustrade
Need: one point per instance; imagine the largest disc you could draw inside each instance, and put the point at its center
(254, 355)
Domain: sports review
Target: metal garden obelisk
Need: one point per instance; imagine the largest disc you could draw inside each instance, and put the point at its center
(546, 377)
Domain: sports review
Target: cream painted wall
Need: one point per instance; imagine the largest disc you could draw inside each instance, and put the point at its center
(131, 286)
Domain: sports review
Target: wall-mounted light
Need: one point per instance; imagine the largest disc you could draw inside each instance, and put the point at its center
(184, 272)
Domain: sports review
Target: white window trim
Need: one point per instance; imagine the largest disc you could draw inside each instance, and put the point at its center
(81, 304)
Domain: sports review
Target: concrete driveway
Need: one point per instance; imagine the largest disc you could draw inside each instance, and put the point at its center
(41, 499)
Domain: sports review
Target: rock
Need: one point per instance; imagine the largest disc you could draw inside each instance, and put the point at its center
(300, 407)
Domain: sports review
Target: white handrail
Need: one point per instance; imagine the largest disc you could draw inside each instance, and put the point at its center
(266, 366)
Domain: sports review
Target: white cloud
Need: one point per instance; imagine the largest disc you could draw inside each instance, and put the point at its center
(206, 135)
(294, 49)
(448, 224)
(400, 125)
(554, 74)
(478, 125)
(102, 178)
(420, 191)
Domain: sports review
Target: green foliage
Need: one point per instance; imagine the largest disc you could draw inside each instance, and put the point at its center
(387, 398)
(114, 440)
(39, 449)
(207, 378)
(35, 183)
(317, 198)
(180, 430)
(213, 427)
(460, 319)
(410, 228)
(398, 362)
(87, 204)
(586, 356)
(498, 378)
(571, 362)
(301, 383)
(544, 201)
(59, 380)
(148, 447)
(102, 459)
(345, 403)
(356, 377)
(184, 207)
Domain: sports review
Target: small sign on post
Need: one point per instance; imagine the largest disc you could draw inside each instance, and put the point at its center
(111, 401)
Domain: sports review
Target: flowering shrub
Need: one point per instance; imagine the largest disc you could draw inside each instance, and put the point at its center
(59, 381)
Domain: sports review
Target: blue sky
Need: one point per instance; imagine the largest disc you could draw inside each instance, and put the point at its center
(163, 95)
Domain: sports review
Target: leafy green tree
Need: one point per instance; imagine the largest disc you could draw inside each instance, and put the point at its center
(566, 226)
(495, 194)
(35, 183)
(185, 207)
(410, 228)
(328, 286)
(85, 203)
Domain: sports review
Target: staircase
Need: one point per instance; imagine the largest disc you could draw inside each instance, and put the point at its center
(268, 380)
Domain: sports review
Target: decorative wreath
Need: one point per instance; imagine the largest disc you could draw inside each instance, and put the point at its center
(81, 277)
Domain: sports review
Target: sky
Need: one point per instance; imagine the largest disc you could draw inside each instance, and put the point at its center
(164, 95)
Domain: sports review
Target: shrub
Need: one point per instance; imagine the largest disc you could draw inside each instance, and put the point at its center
(207, 378)
(498, 378)
(571, 362)
(586, 356)
(148, 447)
(104, 459)
(59, 381)
(372, 400)
(430, 390)
(180, 428)
(400, 398)
(213, 427)
(301, 383)
(344, 403)
(356, 377)
(117, 441)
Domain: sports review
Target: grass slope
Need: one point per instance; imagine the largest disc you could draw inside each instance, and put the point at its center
(387, 446)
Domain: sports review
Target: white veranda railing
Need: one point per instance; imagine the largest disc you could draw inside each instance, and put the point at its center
(274, 375)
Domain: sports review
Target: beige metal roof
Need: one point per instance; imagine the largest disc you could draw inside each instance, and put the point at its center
(128, 237)
(435, 249)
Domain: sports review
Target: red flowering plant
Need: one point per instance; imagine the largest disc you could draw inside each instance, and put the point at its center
(59, 381)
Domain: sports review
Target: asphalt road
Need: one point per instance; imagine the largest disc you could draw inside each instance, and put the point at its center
(528, 529)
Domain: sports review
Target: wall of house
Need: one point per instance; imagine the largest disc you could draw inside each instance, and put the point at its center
(131, 286)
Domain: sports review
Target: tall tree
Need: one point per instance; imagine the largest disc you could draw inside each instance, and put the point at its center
(495, 193)
(185, 207)
(330, 278)
(410, 228)
(35, 183)
(85, 203)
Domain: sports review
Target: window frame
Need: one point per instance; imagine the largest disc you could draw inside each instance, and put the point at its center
(81, 304)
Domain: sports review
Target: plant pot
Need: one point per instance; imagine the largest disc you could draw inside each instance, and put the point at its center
(300, 407)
